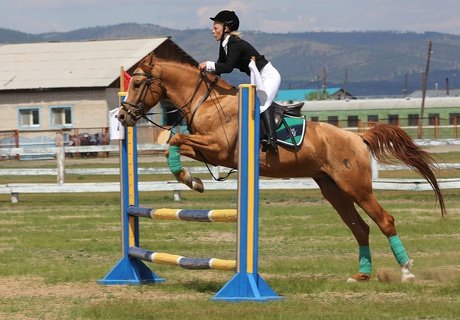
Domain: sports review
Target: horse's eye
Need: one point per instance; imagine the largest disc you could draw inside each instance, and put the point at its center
(137, 85)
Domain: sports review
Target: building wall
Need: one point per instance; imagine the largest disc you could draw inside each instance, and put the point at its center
(89, 108)
(384, 109)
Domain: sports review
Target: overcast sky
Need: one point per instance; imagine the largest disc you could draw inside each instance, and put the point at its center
(38, 16)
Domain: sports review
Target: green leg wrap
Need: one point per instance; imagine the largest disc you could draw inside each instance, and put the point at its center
(398, 250)
(174, 160)
(365, 261)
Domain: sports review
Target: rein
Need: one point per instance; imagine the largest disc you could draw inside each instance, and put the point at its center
(139, 112)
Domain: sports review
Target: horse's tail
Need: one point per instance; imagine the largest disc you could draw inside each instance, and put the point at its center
(387, 142)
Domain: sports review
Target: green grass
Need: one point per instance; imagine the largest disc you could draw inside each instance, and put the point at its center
(53, 248)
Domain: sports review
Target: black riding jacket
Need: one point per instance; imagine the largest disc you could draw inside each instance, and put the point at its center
(239, 53)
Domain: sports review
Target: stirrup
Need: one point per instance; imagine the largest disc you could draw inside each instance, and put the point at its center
(264, 143)
(269, 146)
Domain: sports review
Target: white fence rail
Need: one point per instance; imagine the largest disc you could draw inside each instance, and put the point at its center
(14, 189)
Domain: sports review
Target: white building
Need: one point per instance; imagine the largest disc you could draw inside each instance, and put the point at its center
(52, 86)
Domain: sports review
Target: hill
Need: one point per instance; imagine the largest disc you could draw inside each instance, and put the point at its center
(367, 63)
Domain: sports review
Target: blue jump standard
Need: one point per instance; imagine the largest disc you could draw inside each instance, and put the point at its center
(128, 270)
(247, 284)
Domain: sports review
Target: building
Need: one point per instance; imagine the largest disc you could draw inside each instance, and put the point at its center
(292, 95)
(340, 108)
(45, 87)
(439, 113)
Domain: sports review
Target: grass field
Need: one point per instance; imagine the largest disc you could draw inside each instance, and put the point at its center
(53, 249)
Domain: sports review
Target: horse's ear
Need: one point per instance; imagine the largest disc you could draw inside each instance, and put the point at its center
(147, 63)
(151, 58)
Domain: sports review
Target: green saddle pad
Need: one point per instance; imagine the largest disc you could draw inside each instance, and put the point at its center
(291, 131)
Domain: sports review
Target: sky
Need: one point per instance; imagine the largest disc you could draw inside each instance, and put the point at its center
(41, 16)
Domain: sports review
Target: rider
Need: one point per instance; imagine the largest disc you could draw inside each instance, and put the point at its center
(235, 52)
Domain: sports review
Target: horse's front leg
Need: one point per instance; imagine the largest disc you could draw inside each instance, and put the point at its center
(198, 142)
(188, 145)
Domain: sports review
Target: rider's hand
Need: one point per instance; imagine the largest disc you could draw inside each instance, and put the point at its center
(202, 66)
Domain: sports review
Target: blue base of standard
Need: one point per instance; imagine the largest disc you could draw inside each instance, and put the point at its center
(246, 287)
(130, 271)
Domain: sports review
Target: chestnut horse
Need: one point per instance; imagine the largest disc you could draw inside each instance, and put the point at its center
(338, 160)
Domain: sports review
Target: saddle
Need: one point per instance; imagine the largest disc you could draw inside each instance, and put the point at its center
(289, 123)
(292, 110)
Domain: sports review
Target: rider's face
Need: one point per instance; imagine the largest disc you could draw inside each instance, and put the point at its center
(217, 30)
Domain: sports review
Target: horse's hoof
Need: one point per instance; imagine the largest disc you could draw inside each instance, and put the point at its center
(359, 277)
(197, 185)
(192, 182)
(407, 275)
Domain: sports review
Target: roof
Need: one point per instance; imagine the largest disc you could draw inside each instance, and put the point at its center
(302, 94)
(70, 64)
(378, 104)
(436, 93)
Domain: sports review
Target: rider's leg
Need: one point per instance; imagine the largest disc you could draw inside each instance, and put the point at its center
(272, 80)
(269, 142)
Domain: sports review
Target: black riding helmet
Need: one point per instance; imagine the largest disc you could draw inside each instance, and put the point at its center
(228, 18)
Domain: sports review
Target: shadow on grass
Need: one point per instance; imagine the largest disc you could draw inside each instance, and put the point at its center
(208, 287)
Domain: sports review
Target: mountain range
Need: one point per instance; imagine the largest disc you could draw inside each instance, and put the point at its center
(364, 63)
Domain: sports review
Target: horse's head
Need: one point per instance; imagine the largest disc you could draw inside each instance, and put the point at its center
(145, 91)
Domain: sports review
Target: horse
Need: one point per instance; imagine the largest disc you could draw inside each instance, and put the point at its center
(339, 161)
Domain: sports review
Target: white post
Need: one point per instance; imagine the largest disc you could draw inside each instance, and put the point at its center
(374, 168)
(176, 195)
(60, 157)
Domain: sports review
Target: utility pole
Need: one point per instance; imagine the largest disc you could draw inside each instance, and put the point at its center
(324, 82)
(345, 83)
(424, 86)
(406, 85)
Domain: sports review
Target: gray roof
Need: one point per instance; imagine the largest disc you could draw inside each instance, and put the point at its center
(436, 93)
(70, 64)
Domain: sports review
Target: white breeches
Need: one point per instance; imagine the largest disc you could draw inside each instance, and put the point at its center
(272, 80)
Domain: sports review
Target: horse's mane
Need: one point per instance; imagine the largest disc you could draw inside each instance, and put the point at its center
(148, 63)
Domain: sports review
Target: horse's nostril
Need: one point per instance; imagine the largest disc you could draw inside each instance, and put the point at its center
(121, 117)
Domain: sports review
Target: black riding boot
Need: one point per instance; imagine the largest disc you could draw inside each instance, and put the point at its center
(269, 142)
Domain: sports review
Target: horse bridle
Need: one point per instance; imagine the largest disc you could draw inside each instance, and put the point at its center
(139, 112)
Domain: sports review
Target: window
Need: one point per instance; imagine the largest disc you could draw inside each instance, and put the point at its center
(61, 116)
(352, 121)
(334, 120)
(454, 119)
(412, 120)
(372, 118)
(316, 119)
(393, 119)
(433, 119)
(29, 117)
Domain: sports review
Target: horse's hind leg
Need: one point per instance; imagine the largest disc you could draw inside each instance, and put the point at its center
(347, 211)
(386, 223)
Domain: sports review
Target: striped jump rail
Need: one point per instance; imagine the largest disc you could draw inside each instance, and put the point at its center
(219, 215)
(180, 261)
